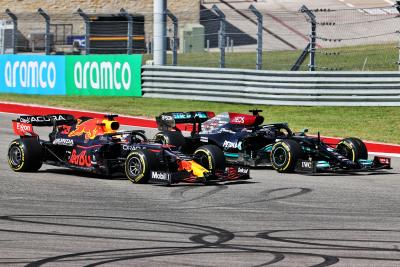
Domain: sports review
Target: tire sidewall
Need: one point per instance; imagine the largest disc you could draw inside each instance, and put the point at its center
(19, 145)
(355, 146)
(136, 155)
(31, 155)
(288, 156)
(215, 157)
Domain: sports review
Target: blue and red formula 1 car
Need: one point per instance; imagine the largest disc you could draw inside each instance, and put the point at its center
(246, 141)
(95, 145)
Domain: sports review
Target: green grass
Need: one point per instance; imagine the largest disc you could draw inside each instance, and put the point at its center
(369, 123)
(380, 57)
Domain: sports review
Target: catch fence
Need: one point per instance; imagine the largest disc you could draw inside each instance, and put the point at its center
(231, 34)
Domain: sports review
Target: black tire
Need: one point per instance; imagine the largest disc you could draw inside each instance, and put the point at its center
(210, 157)
(352, 148)
(25, 155)
(139, 164)
(174, 138)
(284, 155)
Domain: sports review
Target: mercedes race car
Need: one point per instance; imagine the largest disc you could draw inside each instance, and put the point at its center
(95, 145)
(246, 141)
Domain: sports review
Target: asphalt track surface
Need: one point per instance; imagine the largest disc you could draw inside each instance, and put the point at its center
(56, 217)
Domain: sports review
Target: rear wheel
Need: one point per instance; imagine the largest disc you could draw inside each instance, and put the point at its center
(25, 155)
(352, 148)
(210, 157)
(138, 166)
(174, 138)
(284, 155)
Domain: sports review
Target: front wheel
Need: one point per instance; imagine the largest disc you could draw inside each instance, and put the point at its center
(210, 157)
(284, 155)
(353, 149)
(25, 155)
(138, 166)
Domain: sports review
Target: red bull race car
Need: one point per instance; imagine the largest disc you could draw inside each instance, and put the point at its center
(246, 141)
(96, 145)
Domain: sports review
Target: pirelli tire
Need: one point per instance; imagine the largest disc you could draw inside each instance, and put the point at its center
(284, 155)
(210, 157)
(352, 148)
(25, 155)
(139, 164)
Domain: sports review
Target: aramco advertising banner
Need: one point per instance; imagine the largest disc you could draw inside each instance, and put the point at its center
(29, 74)
(108, 75)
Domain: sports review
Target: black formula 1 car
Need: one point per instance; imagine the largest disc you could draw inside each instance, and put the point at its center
(247, 142)
(95, 145)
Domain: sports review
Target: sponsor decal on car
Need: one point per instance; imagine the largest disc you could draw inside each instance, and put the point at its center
(229, 144)
(160, 175)
(21, 128)
(24, 127)
(80, 159)
(131, 147)
(204, 139)
(30, 119)
(238, 120)
(243, 170)
(167, 118)
(306, 164)
(63, 142)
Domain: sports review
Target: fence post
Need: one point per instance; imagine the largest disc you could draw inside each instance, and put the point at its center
(221, 39)
(14, 31)
(159, 32)
(259, 35)
(130, 29)
(86, 19)
(175, 37)
(313, 36)
(47, 33)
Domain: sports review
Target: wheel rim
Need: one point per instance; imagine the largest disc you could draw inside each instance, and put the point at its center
(345, 152)
(279, 156)
(203, 160)
(15, 155)
(135, 166)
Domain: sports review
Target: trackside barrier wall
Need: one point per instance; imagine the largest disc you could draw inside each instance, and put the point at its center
(106, 75)
(273, 87)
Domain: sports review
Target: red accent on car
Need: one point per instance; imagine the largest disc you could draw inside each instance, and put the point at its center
(383, 160)
(22, 129)
(210, 114)
(80, 159)
(242, 119)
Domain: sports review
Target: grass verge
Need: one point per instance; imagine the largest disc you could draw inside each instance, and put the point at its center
(369, 123)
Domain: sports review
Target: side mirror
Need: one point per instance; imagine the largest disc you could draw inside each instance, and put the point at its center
(305, 130)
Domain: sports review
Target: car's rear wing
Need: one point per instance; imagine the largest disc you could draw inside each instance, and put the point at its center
(23, 125)
(168, 120)
(46, 120)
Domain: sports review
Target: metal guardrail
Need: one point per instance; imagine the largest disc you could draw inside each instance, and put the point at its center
(273, 87)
